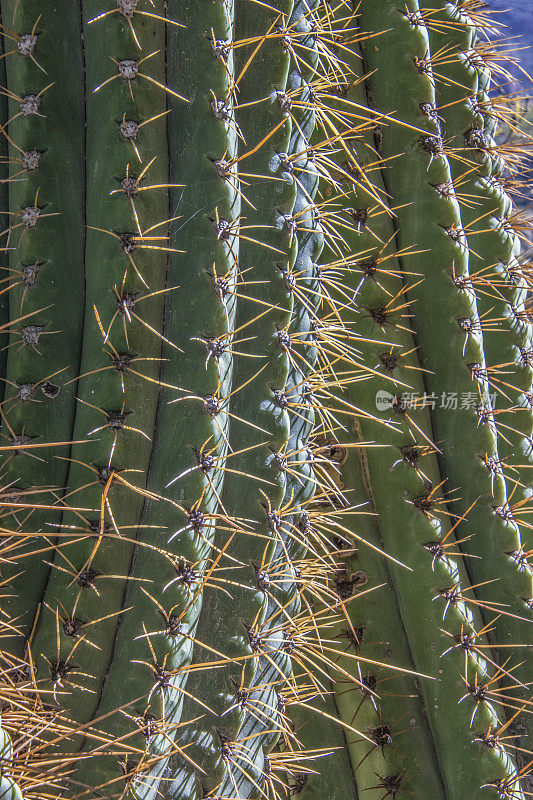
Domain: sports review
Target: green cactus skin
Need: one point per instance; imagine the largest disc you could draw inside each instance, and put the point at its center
(55, 244)
(312, 717)
(377, 619)
(354, 708)
(501, 291)
(279, 582)
(399, 709)
(300, 283)
(4, 203)
(117, 443)
(192, 272)
(332, 775)
(425, 221)
(394, 498)
(112, 105)
(412, 745)
(309, 243)
(496, 250)
(414, 748)
(278, 663)
(259, 428)
(181, 674)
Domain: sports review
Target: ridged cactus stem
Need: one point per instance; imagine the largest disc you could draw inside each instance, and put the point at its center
(232, 759)
(373, 290)
(4, 204)
(496, 278)
(411, 758)
(159, 636)
(117, 388)
(408, 471)
(432, 220)
(259, 509)
(388, 707)
(299, 551)
(357, 712)
(43, 227)
(129, 218)
(283, 573)
(330, 773)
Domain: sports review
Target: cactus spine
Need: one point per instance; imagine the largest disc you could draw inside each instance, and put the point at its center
(237, 560)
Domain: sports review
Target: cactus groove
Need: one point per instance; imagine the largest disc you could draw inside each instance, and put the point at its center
(265, 403)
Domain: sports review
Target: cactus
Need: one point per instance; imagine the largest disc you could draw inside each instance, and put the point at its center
(266, 403)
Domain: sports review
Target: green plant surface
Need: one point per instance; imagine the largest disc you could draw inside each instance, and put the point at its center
(43, 227)
(248, 548)
(401, 505)
(116, 404)
(116, 328)
(400, 474)
(4, 201)
(431, 220)
(328, 773)
(258, 427)
(497, 280)
(161, 631)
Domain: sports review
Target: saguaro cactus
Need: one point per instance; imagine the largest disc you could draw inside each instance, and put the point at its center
(265, 405)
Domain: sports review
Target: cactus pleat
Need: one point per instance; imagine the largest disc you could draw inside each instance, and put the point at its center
(465, 461)
(43, 227)
(379, 710)
(233, 763)
(118, 211)
(115, 408)
(293, 585)
(398, 500)
(249, 549)
(496, 276)
(287, 567)
(497, 280)
(4, 203)
(163, 628)
(279, 571)
(331, 774)
(464, 464)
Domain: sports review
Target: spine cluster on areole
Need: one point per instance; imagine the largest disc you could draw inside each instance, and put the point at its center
(247, 549)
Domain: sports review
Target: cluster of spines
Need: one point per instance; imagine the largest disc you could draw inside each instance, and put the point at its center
(28, 768)
(191, 432)
(9, 788)
(286, 572)
(33, 236)
(4, 255)
(229, 742)
(428, 502)
(263, 531)
(107, 509)
(499, 283)
(233, 750)
(33, 231)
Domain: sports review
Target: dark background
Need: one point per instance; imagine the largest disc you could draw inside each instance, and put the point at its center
(518, 16)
